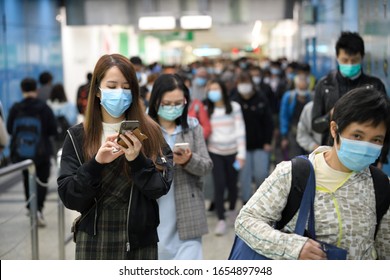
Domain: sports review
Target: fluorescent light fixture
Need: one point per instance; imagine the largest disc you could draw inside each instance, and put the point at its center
(257, 29)
(157, 23)
(256, 34)
(207, 52)
(195, 22)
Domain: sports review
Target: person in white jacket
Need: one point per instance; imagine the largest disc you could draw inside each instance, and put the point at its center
(344, 205)
(307, 138)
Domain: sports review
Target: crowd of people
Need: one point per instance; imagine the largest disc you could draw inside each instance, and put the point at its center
(238, 120)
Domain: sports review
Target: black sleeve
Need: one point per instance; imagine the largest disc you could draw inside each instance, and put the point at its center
(10, 120)
(50, 121)
(153, 181)
(382, 87)
(78, 185)
(320, 118)
(269, 124)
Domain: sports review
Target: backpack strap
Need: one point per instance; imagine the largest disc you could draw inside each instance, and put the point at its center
(382, 193)
(300, 171)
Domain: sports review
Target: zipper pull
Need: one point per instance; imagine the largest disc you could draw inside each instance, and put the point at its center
(164, 168)
(127, 246)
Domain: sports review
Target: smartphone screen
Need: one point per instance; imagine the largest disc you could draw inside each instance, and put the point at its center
(179, 148)
(126, 126)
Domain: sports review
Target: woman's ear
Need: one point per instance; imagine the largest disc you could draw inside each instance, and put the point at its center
(98, 93)
(333, 129)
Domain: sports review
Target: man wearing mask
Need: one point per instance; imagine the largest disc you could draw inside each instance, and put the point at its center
(199, 84)
(291, 107)
(259, 128)
(349, 75)
(139, 70)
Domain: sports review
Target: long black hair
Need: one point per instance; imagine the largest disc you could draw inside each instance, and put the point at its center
(166, 83)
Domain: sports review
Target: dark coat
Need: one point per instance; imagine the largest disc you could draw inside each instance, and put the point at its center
(329, 89)
(119, 211)
(257, 115)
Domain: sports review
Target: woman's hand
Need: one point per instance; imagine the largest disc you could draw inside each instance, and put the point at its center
(133, 147)
(109, 151)
(312, 251)
(241, 161)
(284, 143)
(267, 148)
(182, 156)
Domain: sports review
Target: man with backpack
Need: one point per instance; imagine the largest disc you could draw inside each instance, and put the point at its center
(31, 123)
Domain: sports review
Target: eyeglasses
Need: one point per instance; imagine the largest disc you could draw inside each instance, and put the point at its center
(169, 105)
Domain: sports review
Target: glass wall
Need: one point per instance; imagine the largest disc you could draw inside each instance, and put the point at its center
(319, 33)
(30, 43)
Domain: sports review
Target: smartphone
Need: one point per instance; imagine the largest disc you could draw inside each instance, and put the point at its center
(179, 148)
(126, 126)
(237, 165)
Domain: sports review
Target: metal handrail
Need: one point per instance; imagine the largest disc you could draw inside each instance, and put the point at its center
(61, 217)
(33, 205)
(62, 241)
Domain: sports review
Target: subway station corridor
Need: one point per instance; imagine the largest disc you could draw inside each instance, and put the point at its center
(15, 243)
(257, 74)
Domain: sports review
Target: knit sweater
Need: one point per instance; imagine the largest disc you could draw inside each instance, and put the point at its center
(227, 132)
(345, 217)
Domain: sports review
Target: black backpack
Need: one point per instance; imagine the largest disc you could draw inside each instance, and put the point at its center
(26, 137)
(300, 174)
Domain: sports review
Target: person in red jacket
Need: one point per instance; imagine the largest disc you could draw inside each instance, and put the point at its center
(197, 110)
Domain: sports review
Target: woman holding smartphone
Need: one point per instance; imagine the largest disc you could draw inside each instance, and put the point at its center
(115, 188)
(182, 211)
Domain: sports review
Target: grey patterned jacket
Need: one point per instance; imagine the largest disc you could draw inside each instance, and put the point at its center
(190, 205)
(345, 218)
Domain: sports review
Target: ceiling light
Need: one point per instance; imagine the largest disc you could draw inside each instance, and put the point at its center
(195, 22)
(207, 52)
(157, 23)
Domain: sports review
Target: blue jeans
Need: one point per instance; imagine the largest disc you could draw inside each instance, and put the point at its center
(256, 169)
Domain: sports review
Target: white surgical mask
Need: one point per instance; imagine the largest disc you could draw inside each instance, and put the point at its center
(245, 88)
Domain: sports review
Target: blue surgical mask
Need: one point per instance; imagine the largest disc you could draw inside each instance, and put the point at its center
(116, 101)
(357, 155)
(275, 71)
(200, 81)
(350, 70)
(170, 112)
(214, 95)
(291, 76)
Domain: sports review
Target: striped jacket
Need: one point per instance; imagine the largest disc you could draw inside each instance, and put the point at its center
(345, 218)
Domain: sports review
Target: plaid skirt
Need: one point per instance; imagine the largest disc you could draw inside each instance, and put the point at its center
(110, 241)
